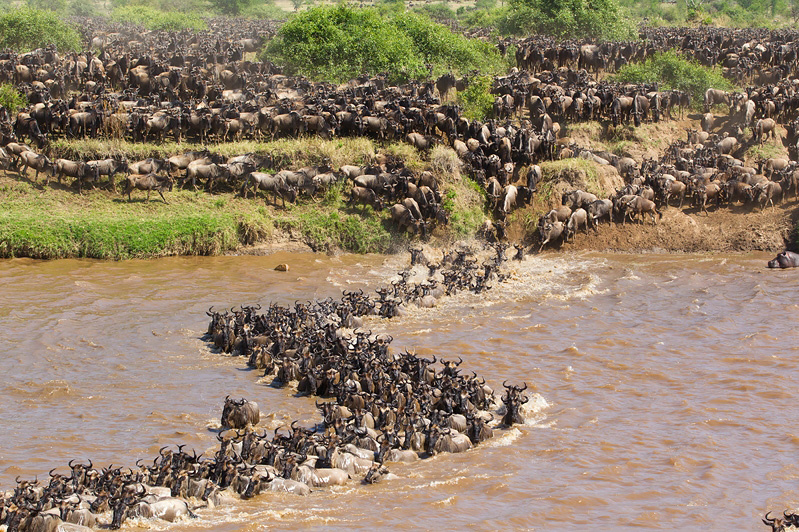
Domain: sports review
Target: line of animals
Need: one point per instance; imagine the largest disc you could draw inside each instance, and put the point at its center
(378, 407)
(699, 173)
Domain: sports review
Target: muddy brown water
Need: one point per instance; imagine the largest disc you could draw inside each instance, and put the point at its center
(667, 386)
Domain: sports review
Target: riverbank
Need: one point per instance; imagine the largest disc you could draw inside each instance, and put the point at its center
(56, 222)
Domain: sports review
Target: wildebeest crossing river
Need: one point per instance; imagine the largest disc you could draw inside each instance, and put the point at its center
(667, 385)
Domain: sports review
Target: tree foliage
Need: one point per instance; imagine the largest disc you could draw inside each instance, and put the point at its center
(673, 71)
(339, 43)
(570, 18)
(26, 29)
(154, 19)
(12, 99)
(232, 7)
(476, 100)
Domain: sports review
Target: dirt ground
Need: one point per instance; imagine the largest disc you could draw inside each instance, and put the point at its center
(723, 230)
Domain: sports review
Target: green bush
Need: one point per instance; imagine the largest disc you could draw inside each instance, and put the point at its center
(59, 6)
(12, 99)
(81, 8)
(439, 11)
(231, 7)
(26, 29)
(265, 11)
(476, 100)
(601, 19)
(339, 43)
(154, 19)
(673, 71)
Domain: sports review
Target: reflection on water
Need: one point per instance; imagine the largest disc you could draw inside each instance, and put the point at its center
(666, 383)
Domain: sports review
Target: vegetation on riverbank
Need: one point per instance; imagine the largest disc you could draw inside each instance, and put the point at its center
(673, 71)
(57, 222)
(338, 43)
(24, 29)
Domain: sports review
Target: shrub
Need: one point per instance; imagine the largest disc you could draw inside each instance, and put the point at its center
(476, 100)
(154, 19)
(12, 99)
(59, 6)
(26, 29)
(338, 43)
(673, 71)
(265, 11)
(231, 7)
(570, 18)
(439, 11)
(81, 8)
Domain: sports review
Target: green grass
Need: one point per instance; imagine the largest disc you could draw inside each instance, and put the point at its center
(671, 70)
(57, 222)
(577, 171)
(767, 150)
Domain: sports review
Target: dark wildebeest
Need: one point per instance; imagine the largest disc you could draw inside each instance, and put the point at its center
(365, 196)
(37, 161)
(239, 414)
(269, 183)
(148, 182)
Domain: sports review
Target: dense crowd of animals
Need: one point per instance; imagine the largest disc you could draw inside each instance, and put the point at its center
(154, 86)
(378, 407)
(199, 86)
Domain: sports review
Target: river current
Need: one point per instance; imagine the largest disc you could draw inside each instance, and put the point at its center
(666, 386)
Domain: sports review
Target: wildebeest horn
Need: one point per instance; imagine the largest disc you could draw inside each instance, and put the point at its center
(161, 450)
(505, 385)
(768, 520)
(460, 361)
(90, 464)
(525, 387)
(51, 471)
(70, 463)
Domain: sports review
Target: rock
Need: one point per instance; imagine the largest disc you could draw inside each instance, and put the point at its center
(282, 268)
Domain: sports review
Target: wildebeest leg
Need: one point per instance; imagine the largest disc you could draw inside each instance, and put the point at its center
(162, 196)
(148, 195)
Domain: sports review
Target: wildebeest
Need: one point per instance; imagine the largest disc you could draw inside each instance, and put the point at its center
(239, 414)
(551, 232)
(269, 183)
(642, 206)
(37, 161)
(107, 167)
(148, 182)
(405, 221)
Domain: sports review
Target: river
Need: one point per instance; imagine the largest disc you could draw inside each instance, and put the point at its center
(666, 386)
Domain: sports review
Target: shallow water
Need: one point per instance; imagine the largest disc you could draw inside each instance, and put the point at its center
(666, 382)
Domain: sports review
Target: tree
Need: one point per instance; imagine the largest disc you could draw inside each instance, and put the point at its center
(574, 18)
(231, 7)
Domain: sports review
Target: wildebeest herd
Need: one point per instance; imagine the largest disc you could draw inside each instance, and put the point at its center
(154, 85)
(377, 406)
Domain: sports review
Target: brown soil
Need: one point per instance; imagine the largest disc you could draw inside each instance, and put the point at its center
(724, 229)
